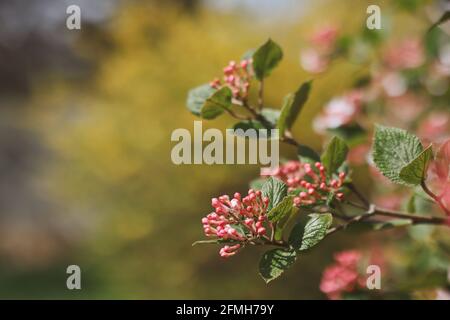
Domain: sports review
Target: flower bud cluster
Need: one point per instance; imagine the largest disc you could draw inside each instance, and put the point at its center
(237, 220)
(311, 180)
(237, 77)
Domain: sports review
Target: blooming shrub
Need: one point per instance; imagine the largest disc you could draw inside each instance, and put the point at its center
(308, 199)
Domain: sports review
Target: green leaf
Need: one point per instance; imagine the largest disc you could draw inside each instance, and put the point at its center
(415, 172)
(216, 104)
(315, 229)
(282, 209)
(394, 223)
(394, 149)
(272, 115)
(275, 190)
(274, 262)
(334, 155)
(197, 98)
(292, 105)
(306, 154)
(266, 58)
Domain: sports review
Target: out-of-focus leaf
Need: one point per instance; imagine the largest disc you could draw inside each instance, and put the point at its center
(334, 155)
(217, 103)
(292, 105)
(197, 98)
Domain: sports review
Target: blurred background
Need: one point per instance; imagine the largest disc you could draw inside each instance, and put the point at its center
(85, 122)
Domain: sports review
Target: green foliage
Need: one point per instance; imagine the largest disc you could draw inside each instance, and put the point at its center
(266, 58)
(393, 150)
(275, 190)
(334, 155)
(415, 172)
(274, 262)
(282, 209)
(217, 103)
(292, 105)
(313, 232)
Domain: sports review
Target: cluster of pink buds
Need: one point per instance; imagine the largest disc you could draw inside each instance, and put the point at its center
(237, 77)
(312, 179)
(249, 213)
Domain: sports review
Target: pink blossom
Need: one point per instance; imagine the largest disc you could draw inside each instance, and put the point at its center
(405, 108)
(390, 201)
(406, 54)
(435, 127)
(312, 61)
(439, 173)
(325, 37)
(342, 276)
(316, 57)
(348, 258)
(357, 155)
(339, 111)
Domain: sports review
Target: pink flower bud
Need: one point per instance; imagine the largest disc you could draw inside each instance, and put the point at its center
(261, 231)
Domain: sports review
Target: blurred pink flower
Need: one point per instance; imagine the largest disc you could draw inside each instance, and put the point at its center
(339, 111)
(439, 173)
(390, 201)
(405, 108)
(316, 57)
(357, 155)
(342, 276)
(406, 54)
(325, 37)
(435, 127)
(312, 61)
(394, 84)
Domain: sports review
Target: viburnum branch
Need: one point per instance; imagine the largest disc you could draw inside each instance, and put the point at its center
(416, 219)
